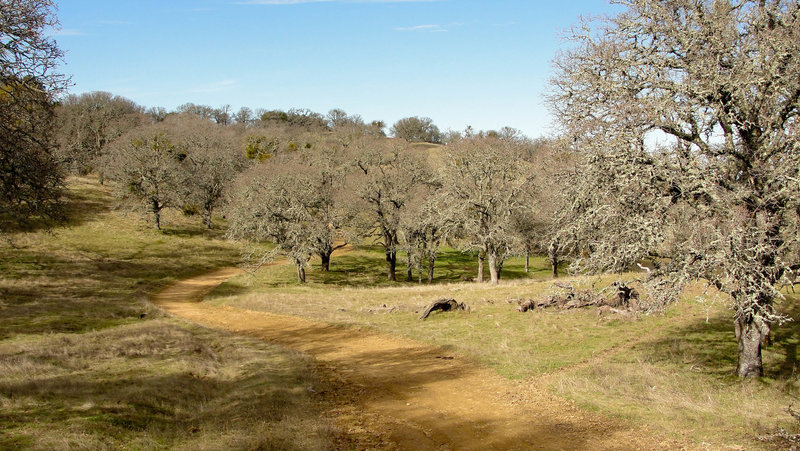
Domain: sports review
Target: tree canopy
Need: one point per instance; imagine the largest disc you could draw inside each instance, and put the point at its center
(719, 203)
(417, 129)
(30, 177)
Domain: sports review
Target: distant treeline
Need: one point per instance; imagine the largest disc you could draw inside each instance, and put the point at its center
(308, 182)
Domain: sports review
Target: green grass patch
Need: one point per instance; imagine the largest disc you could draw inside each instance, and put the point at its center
(364, 266)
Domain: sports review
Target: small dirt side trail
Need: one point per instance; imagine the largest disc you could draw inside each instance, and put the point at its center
(415, 396)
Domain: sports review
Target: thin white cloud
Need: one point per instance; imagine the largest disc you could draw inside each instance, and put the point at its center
(69, 32)
(215, 87)
(429, 28)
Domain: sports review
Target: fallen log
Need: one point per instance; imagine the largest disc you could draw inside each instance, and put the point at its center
(444, 305)
(624, 298)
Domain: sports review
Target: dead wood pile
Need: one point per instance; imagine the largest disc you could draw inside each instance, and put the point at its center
(624, 298)
(444, 305)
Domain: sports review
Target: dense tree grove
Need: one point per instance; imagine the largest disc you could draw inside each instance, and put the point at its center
(341, 180)
(88, 123)
(30, 176)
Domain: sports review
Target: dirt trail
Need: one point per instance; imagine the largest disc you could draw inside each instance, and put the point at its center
(416, 396)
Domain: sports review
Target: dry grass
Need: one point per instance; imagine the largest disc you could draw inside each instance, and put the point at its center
(152, 385)
(79, 369)
(672, 372)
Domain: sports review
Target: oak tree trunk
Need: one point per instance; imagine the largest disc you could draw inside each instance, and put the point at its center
(301, 273)
(554, 264)
(157, 213)
(552, 255)
(494, 272)
(431, 264)
(207, 218)
(500, 262)
(325, 258)
(481, 257)
(750, 333)
(391, 264)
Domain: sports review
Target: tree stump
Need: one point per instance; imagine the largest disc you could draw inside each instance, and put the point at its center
(527, 305)
(444, 305)
(624, 297)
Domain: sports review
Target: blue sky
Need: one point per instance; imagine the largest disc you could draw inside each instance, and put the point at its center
(459, 62)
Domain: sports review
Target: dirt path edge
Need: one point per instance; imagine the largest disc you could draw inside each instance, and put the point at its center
(409, 394)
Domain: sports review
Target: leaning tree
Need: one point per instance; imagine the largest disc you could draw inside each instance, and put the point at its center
(718, 201)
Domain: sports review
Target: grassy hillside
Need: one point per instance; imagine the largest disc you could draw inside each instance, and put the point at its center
(672, 372)
(79, 368)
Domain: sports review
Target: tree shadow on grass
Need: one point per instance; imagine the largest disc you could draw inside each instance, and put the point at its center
(228, 288)
(785, 338)
(710, 346)
(45, 292)
(79, 205)
(193, 231)
(366, 266)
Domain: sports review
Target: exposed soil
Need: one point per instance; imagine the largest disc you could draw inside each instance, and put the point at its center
(394, 393)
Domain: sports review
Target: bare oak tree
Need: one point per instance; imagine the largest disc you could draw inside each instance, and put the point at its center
(488, 181)
(88, 123)
(555, 189)
(290, 204)
(417, 129)
(212, 161)
(146, 163)
(425, 226)
(328, 165)
(720, 202)
(385, 178)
